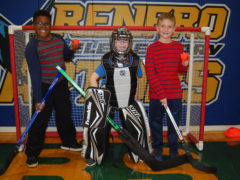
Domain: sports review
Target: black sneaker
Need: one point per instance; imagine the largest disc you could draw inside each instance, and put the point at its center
(90, 162)
(32, 161)
(75, 147)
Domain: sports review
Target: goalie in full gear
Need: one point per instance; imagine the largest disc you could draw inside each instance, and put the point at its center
(121, 69)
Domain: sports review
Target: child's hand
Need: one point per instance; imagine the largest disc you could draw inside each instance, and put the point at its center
(39, 107)
(185, 63)
(185, 58)
(74, 45)
(164, 102)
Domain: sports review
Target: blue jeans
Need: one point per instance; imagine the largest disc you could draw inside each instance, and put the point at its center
(156, 114)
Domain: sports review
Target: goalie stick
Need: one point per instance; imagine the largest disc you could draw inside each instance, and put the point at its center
(14, 152)
(135, 147)
(196, 164)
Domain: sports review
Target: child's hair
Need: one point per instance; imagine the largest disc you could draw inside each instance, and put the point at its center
(41, 12)
(169, 16)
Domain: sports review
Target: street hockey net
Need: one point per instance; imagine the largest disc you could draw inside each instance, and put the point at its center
(94, 44)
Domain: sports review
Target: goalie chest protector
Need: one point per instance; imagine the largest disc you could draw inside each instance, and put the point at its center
(121, 82)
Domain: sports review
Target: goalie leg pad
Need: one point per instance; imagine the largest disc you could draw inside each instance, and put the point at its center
(96, 107)
(95, 142)
(136, 122)
(145, 121)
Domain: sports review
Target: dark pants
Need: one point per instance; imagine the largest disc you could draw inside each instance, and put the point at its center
(59, 99)
(156, 114)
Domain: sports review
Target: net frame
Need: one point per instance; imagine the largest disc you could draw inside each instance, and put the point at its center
(198, 141)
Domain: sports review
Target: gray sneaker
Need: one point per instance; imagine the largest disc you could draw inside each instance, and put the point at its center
(90, 162)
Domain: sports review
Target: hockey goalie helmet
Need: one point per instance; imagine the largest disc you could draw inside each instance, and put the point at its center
(121, 34)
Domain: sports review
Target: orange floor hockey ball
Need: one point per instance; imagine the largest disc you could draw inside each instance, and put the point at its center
(184, 56)
(75, 42)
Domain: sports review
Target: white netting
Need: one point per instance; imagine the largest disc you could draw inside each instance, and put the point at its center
(94, 44)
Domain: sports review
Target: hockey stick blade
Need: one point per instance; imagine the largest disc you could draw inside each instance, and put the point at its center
(144, 155)
(9, 160)
(196, 164)
(15, 150)
(199, 166)
(130, 141)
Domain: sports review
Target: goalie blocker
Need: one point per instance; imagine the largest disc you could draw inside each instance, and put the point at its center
(96, 106)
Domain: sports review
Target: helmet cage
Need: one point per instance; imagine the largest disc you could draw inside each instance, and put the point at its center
(121, 33)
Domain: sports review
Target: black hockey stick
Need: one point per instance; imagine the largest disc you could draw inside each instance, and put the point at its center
(196, 164)
(131, 142)
(14, 152)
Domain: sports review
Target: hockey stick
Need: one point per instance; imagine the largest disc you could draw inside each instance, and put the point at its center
(193, 162)
(14, 152)
(131, 142)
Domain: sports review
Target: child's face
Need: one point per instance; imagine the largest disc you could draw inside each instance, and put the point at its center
(42, 27)
(121, 44)
(165, 28)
